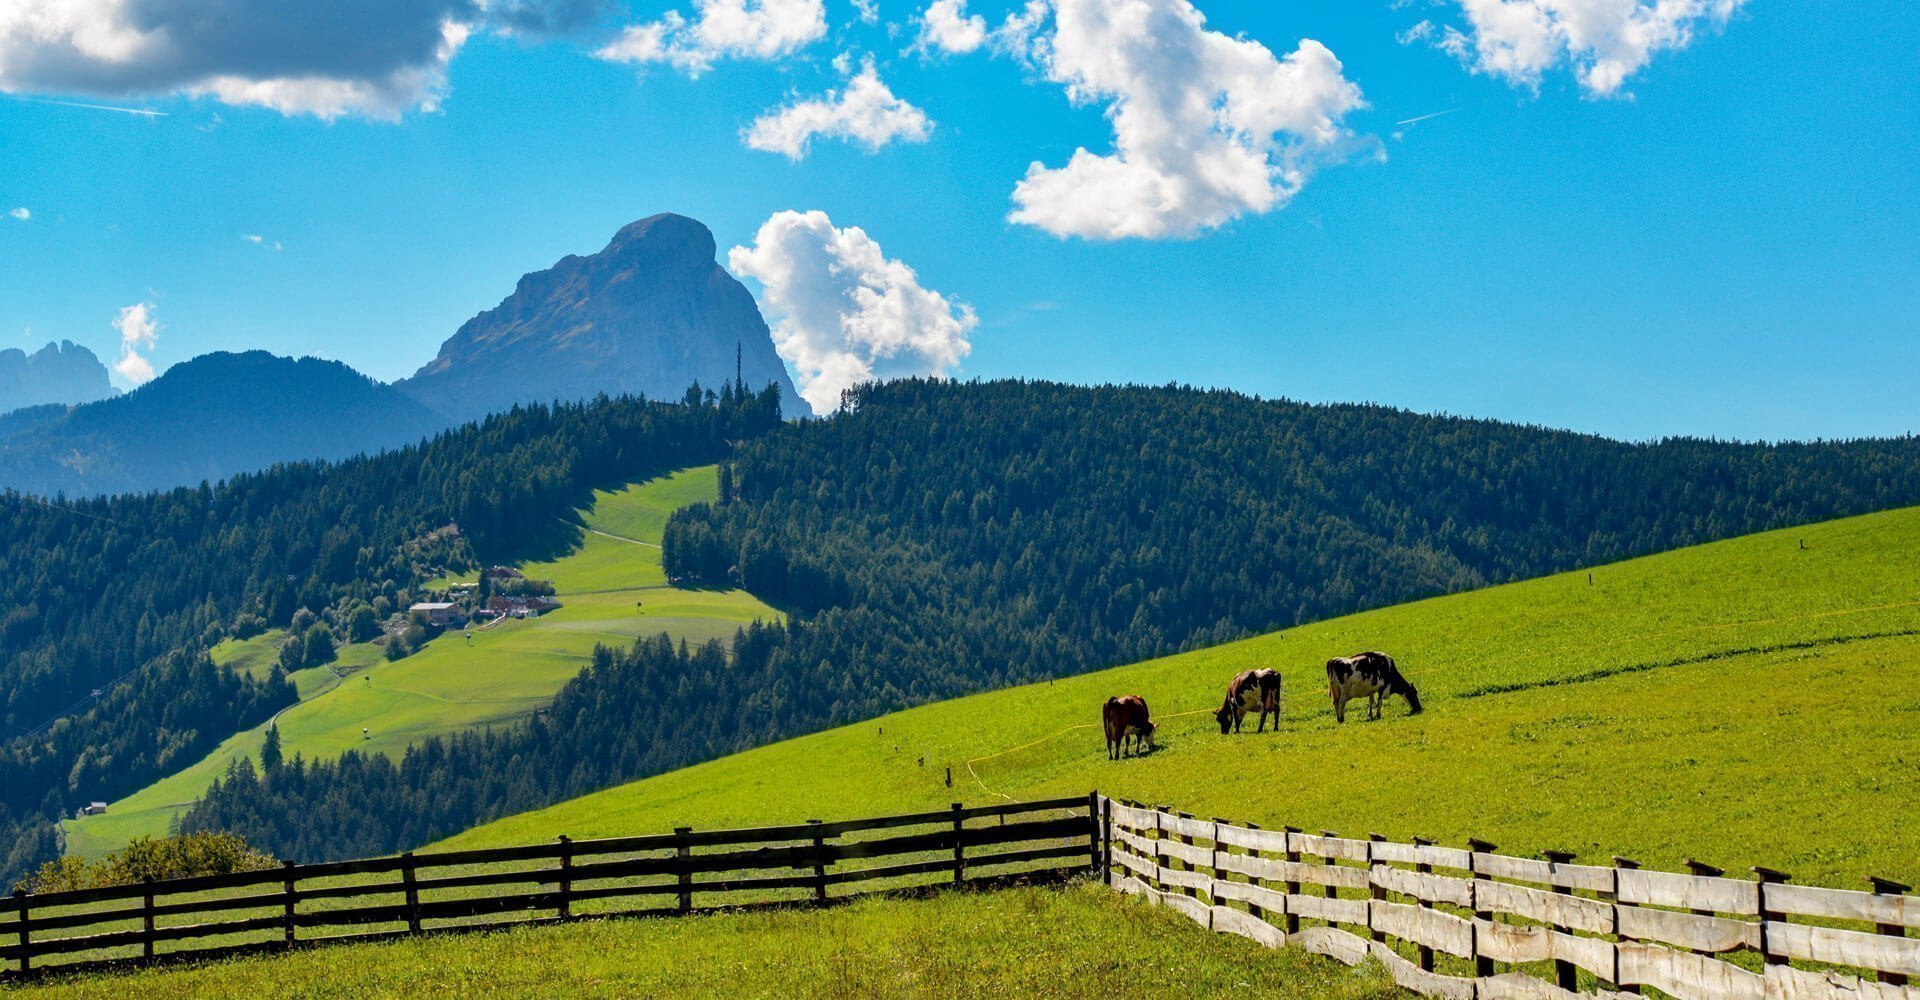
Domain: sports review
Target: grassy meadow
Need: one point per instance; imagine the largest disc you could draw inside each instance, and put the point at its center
(1078, 941)
(1754, 701)
(613, 591)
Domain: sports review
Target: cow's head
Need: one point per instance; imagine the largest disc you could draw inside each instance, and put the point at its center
(1225, 717)
(1147, 730)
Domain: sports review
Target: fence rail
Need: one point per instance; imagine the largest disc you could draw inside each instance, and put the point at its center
(1445, 920)
(685, 871)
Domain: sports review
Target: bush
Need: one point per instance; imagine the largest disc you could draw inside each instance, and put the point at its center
(248, 625)
(183, 856)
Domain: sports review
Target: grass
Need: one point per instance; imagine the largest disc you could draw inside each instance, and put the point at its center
(613, 591)
(1748, 702)
(1078, 941)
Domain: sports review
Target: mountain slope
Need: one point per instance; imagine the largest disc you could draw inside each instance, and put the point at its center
(1722, 702)
(63, 373)
(648, 315)
(208, 419)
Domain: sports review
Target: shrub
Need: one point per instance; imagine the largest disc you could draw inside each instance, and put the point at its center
(182, 856)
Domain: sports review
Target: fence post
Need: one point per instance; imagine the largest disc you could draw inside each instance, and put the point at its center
(1255, 908)
(1425, 951)
(146, 919)
(413, 892)
(1374, 892)
(1703, 870)
(1881, 887)
(1563, 970)
(20, 902)
(819, 861)
(1106, 841)
(1482, 966)
(683, 862)
(1093, 830)
(1186, 839)
(1333, 892)
(565, 906)
(1293, 885)
(1628, 864)
(289, 899)
(959, 850)
(1769, 877)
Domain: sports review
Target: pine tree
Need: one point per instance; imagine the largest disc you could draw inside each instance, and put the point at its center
(270, 750)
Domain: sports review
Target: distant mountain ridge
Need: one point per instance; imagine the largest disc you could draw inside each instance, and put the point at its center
(648, 315)
(62, 372)
(205, 420)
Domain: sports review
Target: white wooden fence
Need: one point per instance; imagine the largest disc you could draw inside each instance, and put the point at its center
(1470, 923)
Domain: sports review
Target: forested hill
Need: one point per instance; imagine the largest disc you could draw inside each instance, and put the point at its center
(959, 535)
(946, 538)
(123, 595)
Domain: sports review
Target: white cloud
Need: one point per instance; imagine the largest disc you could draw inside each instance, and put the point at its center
(869, 11)
(1206, 127)
(720, 29)
(312, 57)
(260, 241)
(1604, 41)
(21, 213)
(139, 331)
(865, 112)
(844, 313)
(946, 26)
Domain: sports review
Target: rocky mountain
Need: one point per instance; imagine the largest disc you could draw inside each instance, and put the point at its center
(650, 314)
(63, 373)
(207, 419)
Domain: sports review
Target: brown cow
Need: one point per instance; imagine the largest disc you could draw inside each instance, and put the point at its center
(1367, 675)
(1126, 716)
(1251, 690)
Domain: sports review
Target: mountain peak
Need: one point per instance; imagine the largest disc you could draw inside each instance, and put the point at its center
(62, 372)
(649, 314)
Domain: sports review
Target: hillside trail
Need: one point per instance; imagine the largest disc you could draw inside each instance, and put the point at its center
(607, 534)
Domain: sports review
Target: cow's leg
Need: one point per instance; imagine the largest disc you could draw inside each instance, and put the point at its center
(1339, 709)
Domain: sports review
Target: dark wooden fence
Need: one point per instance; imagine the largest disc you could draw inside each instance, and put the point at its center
(685, 871)
(1473, 924)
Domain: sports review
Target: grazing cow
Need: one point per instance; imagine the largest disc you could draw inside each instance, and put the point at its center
(1123, 717)
(1251, 691)
(1367, 675)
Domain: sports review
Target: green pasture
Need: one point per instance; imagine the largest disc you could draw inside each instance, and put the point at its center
(1079, 941)
(612, 590)
(1754, 701)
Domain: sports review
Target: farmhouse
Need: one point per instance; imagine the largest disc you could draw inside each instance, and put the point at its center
(520, 607)
(90, 809)
(503, 573)
(439, 613)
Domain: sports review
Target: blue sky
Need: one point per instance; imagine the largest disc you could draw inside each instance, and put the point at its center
(1715, 234)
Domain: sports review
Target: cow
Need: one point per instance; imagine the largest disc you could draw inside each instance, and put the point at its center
(1251, 691)
(1123, 717)
(1367, 675)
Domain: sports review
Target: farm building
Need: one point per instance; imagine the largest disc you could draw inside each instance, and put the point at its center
(90, 809)
(520, 607)
(439, 613)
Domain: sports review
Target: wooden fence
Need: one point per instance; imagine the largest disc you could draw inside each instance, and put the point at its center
(682, 872)
(1470, 923)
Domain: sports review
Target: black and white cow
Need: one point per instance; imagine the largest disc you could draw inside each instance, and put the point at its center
(1367, 675)
(1251, 691)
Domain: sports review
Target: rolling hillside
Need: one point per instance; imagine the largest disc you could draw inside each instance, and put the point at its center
(1721, 702)
(612, 589)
